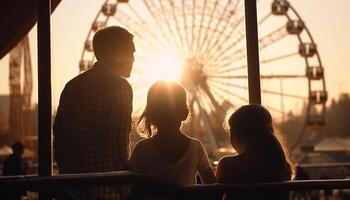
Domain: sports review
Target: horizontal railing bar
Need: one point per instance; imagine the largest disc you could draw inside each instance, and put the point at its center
(325, 165)
(36, 183)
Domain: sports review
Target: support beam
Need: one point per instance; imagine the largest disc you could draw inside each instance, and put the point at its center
(252, 52)
(44, 86)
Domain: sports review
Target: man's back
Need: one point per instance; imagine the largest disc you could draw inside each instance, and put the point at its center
(93, 122)
(14, 165)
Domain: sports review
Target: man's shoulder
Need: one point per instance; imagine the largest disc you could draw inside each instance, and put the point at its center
(95, 77)
(10, 159)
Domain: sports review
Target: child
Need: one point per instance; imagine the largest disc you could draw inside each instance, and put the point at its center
(167, 153)
(261, 157)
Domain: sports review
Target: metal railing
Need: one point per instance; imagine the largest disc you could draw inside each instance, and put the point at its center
(52, 183)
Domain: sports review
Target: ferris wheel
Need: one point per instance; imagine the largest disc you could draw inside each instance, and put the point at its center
(202, 45)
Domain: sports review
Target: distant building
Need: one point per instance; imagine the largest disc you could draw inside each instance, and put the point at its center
(4, 112)
(5, 115)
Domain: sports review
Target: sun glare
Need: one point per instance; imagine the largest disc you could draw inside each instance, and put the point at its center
(167, 67)
(150, 67)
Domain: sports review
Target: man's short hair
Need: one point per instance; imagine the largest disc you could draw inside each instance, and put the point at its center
(17, 146)
(111, 42)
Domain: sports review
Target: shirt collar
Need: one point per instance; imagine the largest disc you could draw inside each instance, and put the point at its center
(101, 67)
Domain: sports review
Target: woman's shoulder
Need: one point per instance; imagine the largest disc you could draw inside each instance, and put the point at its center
(142, 145)
(230, 161)
(196, 145)
(227, 168)
(195, 142)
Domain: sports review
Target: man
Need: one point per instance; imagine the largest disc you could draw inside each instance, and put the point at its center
(15, 165)
(93, 121)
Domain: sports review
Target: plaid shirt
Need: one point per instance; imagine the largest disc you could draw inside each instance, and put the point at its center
(92, 126)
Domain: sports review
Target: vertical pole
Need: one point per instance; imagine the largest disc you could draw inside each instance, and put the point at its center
(252, 52)
(44, 85)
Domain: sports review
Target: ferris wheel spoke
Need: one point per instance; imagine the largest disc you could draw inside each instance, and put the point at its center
(228, 60)
(212, 99)
(264, 42)
(229, 93)
(207, 43)
(146, 28)
(284, 94)
(187, 34)
(223, 70)
(202, 14)
(178, 30)
(273, 37)
(263, 90)
(204, 116)
(125, 20)
(229, 84)
(219, 94)
(222, 48)
(228, 68)
(152, 9)
(167, 22)
(220, 34)
(193, 26)
(261, 76)
(219, 45)
(275, 110)
(269, 60)
(262, 20)
(206, 101)
(211, 18)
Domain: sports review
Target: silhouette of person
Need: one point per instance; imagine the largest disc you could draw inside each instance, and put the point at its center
(261, 157)
(167, 153)
(14, 165)
(93, 121)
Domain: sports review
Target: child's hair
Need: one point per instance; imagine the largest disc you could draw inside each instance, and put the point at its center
(252, 126)
(166, 103)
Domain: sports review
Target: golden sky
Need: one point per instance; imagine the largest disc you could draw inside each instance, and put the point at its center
(327, 20)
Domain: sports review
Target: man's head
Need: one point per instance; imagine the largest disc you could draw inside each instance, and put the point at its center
(114, 47)
(18, 148)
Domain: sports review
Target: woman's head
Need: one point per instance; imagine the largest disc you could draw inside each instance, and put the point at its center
(166, 106)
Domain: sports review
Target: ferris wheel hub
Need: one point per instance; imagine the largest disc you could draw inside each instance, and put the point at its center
(193, 74)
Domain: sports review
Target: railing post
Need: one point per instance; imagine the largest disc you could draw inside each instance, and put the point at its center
(44, 90)
(252, 52)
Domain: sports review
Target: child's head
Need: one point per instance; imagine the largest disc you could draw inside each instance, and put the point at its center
(166, 106)
(249, 123)
(251, 130)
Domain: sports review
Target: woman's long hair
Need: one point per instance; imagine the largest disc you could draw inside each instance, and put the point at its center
(166, 104)
(252, 126)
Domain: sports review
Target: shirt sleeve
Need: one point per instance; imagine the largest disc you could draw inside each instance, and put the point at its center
(203, 162)
(122, 120)
(58, 124)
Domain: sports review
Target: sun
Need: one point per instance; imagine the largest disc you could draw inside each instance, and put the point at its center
(150, 67)
(166, 67)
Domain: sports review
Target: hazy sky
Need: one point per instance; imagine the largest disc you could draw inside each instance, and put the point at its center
(328, 21)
